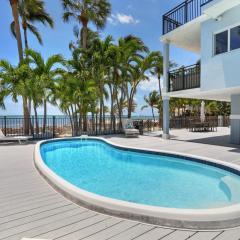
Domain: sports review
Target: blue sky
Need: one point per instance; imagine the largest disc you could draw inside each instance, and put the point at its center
(142, 18)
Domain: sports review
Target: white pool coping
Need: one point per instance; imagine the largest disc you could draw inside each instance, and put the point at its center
(201, 219)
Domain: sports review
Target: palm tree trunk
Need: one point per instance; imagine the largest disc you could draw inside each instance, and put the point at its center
(119, 113)
(100, 116)
(93, 122)
(14, 5)
(26, 47)
(84, 34)
(153, 114)
(104, 120)
(130, 103)
(25, 116)
(44, 115)
(112, 105)
(159, 86)
(36, 119)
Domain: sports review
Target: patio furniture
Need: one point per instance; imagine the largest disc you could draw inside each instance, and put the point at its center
(202, 127)
(129, 130)
(19, 139)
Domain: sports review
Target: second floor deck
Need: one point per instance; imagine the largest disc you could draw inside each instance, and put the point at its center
(184, 78)
(182, 14)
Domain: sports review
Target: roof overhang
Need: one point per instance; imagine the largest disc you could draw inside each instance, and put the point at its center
(217, 95)
(187, 36)
(216, 8)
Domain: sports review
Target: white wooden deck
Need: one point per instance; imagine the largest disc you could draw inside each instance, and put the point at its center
(29, 207)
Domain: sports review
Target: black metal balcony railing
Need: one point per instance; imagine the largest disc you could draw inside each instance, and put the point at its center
(184, 78)
(183, 13)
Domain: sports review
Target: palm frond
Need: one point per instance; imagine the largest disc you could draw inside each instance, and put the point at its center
(35, 32)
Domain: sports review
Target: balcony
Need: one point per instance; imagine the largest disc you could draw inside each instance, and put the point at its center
(185, 78)
(182, 14)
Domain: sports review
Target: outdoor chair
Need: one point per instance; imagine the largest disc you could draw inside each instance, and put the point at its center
(129, 129)
(19, 139)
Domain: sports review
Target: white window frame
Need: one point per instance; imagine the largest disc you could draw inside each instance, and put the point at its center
(228, 29)
(214, 42)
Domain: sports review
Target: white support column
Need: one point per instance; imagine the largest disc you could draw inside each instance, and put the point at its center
(235, 119)
(166, 118)
(166, 60)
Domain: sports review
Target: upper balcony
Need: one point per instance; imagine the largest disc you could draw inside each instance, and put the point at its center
(182, 14)
(182, 25)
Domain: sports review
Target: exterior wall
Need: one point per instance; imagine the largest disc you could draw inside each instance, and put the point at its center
(221, 71)
(235, 119)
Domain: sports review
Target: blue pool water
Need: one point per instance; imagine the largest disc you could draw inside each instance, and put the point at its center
(150, 179)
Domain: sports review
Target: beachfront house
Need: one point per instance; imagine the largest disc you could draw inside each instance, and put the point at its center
(210, 28)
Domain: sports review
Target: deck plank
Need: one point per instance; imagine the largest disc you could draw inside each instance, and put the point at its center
(205, 236)
(27, 200)
(38, 216)
(25, 207)
(229, 235)
(179, 235)
(134, 232)
(155, 234)
(31, 212)
(43, 225)
(112, 231)
(80, 228)
(91, 229)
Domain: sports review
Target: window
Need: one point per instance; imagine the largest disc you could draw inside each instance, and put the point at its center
(221, 42)
(227, 41)
(235, 38)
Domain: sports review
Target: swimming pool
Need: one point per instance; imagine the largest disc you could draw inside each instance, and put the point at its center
(136, 178)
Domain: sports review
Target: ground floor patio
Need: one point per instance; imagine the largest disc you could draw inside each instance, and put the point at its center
(31, 208)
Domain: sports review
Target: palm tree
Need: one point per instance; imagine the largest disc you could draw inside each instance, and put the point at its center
(13, 82)
(14, 5)
(126, 62)
(45, 73)
(139, 73)
(100, 63)
(152, 101)
(75, 94)
(85, 11)
(157, 68)
(32, 11)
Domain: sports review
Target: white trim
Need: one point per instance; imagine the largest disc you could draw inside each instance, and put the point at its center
(235, 117)
(227, 28)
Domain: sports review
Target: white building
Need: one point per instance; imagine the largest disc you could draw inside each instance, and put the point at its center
(210, 28)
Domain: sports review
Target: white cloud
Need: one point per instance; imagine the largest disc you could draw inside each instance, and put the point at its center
(122, 19)
(151, 85)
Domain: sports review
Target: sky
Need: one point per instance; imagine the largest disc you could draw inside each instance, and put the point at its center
(142, 18)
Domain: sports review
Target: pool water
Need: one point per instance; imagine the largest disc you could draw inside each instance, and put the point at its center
(137, 177)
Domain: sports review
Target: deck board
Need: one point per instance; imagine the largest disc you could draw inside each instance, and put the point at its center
(176, 235)
(92, 227)
(38, 216)
(112, 231)
(133, 232)
(31, 208)
(155, 234)
(229, 235)
(89, 219)
(40, 222)
(205, 235)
